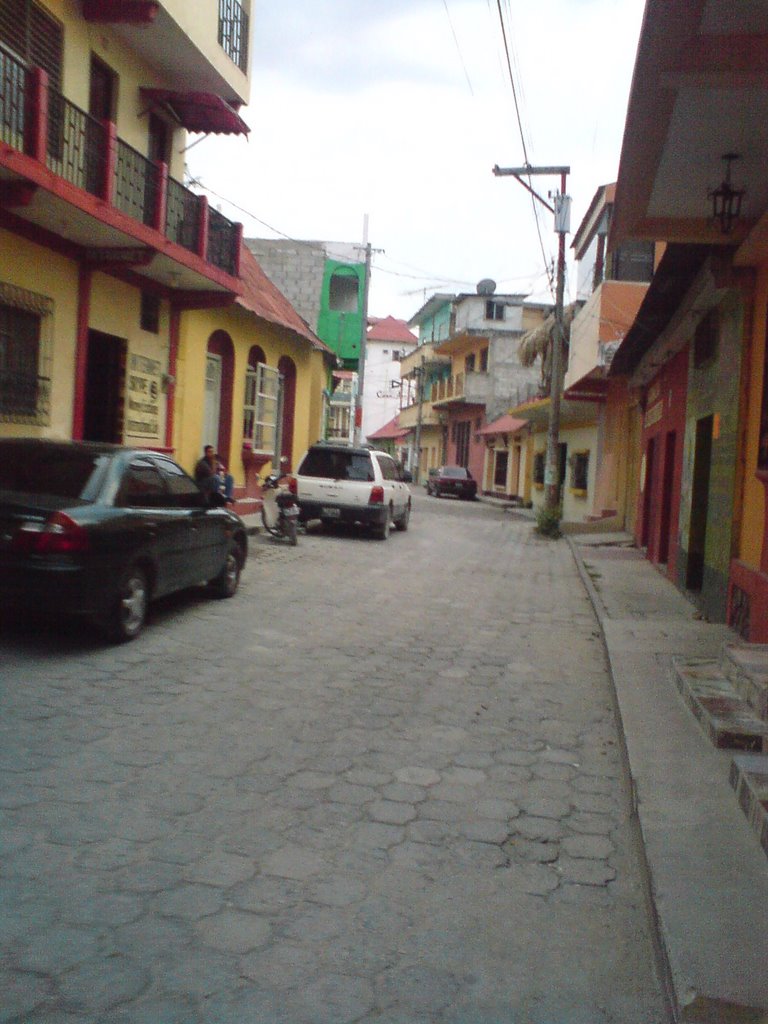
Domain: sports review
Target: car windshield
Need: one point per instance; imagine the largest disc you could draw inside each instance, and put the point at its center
(455, 472)
(338, 465)
(58, 472)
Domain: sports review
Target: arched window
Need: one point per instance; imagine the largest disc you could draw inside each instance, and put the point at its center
(344, 291)
(260, 406)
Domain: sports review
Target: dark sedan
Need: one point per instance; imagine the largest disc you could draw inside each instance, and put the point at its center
(98, 530)
(455, 480)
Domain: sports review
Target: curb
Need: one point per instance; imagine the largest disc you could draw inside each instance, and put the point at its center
(661, 953)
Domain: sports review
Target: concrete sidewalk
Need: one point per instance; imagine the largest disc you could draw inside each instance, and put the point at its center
(707, 876)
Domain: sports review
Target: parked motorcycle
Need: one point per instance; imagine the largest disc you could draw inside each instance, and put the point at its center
(280, 509)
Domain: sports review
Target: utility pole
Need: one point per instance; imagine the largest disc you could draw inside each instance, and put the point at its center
(420, 397)
(561, 210)
(363, 338)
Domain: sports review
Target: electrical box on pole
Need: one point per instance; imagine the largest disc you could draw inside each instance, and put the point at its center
(562, 214)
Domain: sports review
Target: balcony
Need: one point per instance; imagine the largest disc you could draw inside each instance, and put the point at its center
(201, 45)
(430, 417)
(596, 332)
(471, 388)
(66, 173)
(423, 355)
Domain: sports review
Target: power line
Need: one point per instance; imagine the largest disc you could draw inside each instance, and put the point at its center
(458, 48)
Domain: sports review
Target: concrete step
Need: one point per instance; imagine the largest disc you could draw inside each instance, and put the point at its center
(746, 665)
(749, 778)
(729, 720)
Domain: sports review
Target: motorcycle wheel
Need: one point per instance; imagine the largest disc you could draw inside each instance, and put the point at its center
(290, 532)
(273, 530)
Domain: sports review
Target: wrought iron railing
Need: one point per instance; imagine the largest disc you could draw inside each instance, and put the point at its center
(233, 32)
(77, 150)
(182, 219)
(13, 77)
(222, 241)
(136, 184)
(77, 145)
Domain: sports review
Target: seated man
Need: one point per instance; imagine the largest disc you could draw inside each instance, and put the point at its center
(211, 475)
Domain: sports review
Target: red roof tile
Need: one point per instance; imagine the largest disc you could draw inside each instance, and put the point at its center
(503, 425)
(389, 328)
(262, 298)
(391, 431)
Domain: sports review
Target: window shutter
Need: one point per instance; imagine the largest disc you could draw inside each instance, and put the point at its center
(33, 35)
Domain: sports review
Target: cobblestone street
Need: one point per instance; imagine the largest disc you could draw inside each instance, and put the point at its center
(382, 785)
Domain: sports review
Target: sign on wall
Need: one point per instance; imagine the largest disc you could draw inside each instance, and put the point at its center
(143, 396)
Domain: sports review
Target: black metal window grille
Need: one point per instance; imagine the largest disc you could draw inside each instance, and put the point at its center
(538, 468)
(25, 355)
(233, 32)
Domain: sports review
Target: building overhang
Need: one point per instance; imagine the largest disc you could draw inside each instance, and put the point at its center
(679, 267)
(592, 388)
(572, 414)
(699, 91)
(202, 112)
(503, 425)
(127, 12)
(458, 343)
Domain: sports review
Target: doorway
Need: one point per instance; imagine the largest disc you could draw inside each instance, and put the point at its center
(212, 406)
(104, 388)
(650, 468)
(666, 497)
(697, 537)
(102, 99)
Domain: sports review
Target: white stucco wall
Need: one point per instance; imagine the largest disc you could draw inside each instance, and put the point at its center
(470, 313)
(381, 402)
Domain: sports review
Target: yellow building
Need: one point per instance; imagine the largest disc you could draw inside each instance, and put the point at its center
(130, 311)
(249, 380)
(421, 372)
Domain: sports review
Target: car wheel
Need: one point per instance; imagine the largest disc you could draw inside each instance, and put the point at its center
(382, 532)
(402, 522)
(228, 580)
(129, 611)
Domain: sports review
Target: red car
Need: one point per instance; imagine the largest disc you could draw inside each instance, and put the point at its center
(454, 480)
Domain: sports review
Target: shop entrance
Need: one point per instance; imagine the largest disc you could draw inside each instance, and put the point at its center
(104, 388)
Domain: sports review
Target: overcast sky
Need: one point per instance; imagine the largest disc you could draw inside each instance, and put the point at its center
(398, 109)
